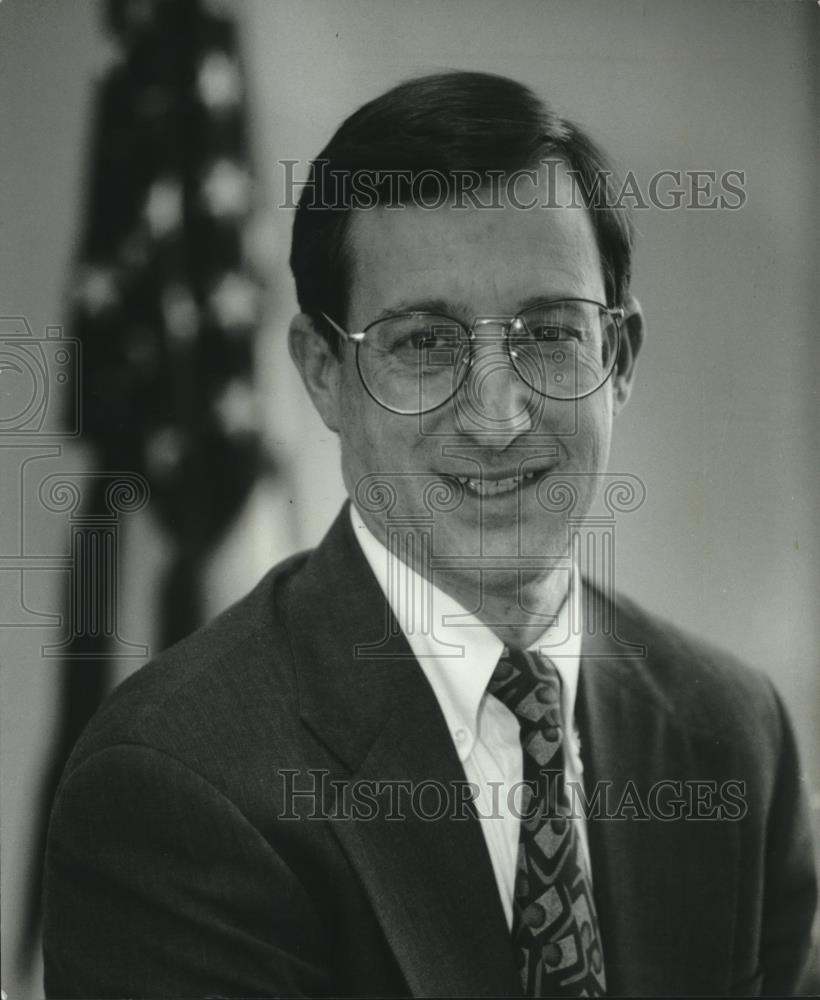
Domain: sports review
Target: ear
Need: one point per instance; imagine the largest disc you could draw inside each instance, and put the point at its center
(318, 366)
(632, 335)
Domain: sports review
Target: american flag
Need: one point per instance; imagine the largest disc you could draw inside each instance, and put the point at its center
(165, 304)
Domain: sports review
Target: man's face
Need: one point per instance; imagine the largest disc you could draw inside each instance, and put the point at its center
(515, 445)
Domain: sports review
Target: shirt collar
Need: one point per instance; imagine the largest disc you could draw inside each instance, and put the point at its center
(457, 652)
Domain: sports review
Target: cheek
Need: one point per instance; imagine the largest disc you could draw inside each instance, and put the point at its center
(359, 425)
(373, 440)
(590, 445)
(354, 433)
(603, 432)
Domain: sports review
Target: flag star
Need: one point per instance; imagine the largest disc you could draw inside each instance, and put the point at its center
(180, 313)
(97, 290)
(226, 189)
(236, 407)
(163, 206)
(164, 450)
(108, 54)
(218, 82)
(234, 300)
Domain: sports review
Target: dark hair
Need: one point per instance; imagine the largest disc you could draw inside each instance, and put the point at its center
(447, 124)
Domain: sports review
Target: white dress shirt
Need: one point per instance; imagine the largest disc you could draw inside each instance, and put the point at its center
(458, 655)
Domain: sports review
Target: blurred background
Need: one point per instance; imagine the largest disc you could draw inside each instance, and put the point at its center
(188, 330)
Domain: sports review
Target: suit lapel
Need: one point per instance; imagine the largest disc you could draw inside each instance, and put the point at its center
(362, 693)
(663, 924)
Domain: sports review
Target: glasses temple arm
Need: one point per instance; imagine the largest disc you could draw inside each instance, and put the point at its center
(341, 331)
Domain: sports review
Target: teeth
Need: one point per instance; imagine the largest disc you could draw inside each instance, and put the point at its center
(492, 487)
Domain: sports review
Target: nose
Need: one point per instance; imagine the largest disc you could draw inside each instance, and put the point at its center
(494, 401)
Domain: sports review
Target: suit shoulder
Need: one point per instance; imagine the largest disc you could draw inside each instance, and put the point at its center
(707, 688)
(210, 683)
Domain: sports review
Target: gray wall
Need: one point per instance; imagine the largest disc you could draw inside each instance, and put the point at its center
(723, 426)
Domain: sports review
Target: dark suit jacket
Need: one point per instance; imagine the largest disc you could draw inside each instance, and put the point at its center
(174, 870)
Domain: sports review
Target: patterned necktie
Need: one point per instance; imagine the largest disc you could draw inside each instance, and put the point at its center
(555, 927)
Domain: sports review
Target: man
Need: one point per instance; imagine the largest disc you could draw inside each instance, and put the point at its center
(428, 758)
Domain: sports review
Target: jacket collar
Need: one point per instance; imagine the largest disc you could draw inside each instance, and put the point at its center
(654, 879)
(364, 696)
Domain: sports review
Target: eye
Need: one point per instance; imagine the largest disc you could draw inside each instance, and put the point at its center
(545, 331)
(411, 336)
(550, 332)
(557, 322)
(423, 338)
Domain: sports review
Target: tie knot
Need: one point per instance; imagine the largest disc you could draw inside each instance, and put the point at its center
(530, 687)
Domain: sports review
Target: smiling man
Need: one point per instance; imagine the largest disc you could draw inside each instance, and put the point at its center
(493, 323)
(431, 758)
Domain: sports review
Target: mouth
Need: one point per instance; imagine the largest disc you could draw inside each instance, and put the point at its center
(484, 486)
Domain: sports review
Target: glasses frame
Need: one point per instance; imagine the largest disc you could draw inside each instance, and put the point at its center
(616, 313)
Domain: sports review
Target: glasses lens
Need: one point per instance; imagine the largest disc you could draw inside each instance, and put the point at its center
(564, 350)
(415, 362)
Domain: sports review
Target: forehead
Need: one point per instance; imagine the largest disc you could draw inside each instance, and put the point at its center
(483, 260)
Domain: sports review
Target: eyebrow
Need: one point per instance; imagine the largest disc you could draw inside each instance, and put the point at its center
(448, 307)
(444, 307)
(537, 300)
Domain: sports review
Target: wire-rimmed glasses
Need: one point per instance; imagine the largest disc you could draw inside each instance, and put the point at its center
(414, 362)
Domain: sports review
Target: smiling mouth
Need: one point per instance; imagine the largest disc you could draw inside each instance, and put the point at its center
(485, 487)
